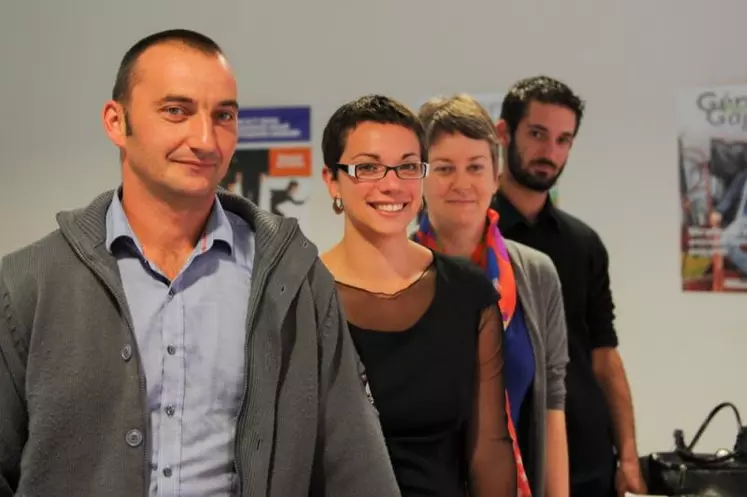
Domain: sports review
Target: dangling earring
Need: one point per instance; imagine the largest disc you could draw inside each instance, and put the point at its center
(421, 212)
(421, 208)
(337, 205)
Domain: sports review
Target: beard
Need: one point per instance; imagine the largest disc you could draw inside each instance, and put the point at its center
(538, 182)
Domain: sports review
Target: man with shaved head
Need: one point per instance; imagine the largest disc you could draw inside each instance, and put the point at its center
(170, 338)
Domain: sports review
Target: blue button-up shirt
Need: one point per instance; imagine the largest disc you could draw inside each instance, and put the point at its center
(191, 335)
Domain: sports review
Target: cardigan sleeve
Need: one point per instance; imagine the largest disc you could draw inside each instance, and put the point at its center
(555, 332)
(548, 312)
(14, 418)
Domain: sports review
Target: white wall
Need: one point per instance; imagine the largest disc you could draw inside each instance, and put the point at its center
(682, 351)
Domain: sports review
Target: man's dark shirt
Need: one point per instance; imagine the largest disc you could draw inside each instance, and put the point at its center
(582, 264)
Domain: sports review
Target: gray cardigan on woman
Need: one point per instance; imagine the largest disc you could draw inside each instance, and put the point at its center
(539, 292)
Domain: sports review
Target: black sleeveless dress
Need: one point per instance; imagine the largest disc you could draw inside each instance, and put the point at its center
(434, 362)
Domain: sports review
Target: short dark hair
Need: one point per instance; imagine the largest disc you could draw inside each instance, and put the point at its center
(192, 39)
(369, 108)
(459, 114)
(543, 89)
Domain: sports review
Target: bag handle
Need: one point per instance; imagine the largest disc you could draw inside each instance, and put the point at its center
(686, 452)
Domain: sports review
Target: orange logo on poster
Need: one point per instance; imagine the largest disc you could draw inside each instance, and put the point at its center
(290, 161)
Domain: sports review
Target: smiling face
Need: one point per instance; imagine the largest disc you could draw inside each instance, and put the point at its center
(386, 206)
(463, 179)
(177, 131)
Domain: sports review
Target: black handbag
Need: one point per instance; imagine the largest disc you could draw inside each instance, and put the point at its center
(686, 472)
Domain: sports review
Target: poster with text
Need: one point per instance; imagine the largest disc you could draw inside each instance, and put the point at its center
(492, 103)
(712, 152)
(272, 165)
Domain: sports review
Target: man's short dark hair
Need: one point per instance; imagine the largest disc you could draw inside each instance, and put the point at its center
(543, 89)
(369, 108)
(192, 39)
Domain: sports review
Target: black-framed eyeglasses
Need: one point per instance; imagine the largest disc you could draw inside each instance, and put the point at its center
(372, 171)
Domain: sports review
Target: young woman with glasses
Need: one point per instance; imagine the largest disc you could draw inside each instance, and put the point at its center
(425, 325)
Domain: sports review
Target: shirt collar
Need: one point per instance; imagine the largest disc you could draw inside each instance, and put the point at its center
(217, 229)
(510, 216)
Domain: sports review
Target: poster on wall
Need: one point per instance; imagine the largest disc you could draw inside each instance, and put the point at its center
(712, 155)
(492, 102)
(272, 163)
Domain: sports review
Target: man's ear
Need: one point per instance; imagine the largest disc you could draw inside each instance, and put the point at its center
(503, 132)
(115, 122)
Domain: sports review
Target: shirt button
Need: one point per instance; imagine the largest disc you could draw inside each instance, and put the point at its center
(134, 438)
(167, 472)
(170, 411)
(126, 353)
(171, 350)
